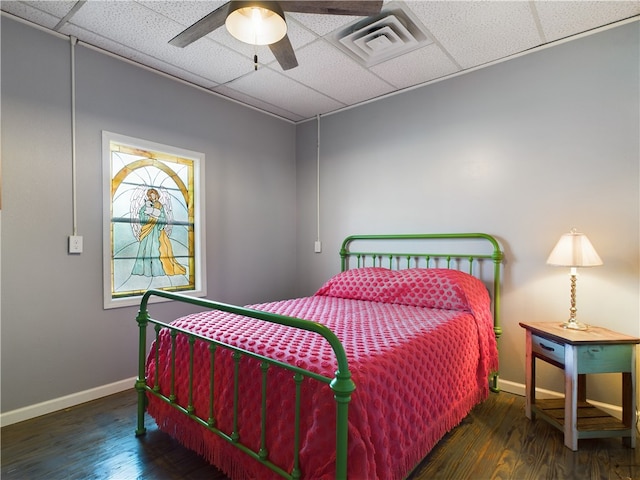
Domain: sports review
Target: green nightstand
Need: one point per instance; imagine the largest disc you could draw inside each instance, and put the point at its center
(578, 353)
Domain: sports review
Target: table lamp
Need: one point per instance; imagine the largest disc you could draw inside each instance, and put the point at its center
(574, 250)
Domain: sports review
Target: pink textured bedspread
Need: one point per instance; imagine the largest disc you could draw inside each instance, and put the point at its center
(418, 372)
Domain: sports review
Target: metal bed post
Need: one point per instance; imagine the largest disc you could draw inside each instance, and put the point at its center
(497, 257)
(141, 381)
(343, 386)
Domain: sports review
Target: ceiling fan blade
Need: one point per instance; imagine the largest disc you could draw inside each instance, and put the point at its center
(283, 51)
(362, 8)
(201, 28)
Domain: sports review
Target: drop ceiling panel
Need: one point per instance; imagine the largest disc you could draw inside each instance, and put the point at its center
(138, 28)
(47, 14)
(322, 24)
(475, 32)
(418, 66)
(257, 103)
(465, 34)
(284, 92)
(333, 73)
(185, 12)
(57, 9)
(140, 58)
(131, 24)
(563, 19)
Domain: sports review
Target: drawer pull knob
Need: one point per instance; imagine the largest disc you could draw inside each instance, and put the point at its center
(548, 349)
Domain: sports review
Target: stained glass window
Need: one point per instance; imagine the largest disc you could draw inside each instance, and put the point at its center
(153, 228)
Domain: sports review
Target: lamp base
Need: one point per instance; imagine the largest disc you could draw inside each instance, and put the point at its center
(573, 325)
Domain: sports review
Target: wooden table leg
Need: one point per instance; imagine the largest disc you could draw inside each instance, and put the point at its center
(628, 408)
(571, 397)
(530, 379)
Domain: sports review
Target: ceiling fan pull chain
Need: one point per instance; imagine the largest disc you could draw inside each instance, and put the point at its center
(255, 57)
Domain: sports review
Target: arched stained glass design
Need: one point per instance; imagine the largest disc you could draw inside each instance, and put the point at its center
(153, 219)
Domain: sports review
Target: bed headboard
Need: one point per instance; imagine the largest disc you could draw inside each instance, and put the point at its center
(478, 254)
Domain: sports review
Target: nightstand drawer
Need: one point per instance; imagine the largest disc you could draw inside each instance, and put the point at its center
(547, 348)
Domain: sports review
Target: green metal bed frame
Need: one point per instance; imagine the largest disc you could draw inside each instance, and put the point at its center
(341, 384)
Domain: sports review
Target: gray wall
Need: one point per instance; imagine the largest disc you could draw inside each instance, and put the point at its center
(524, 150)
(56, 337)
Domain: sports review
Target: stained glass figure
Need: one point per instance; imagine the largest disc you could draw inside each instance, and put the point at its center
(152, 221)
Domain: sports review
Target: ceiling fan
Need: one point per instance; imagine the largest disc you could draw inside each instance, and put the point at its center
(240, 18)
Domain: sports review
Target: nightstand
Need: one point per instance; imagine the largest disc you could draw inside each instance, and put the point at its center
(578, 353)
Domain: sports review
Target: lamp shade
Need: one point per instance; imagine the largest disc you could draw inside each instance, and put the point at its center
(574, 250)
(256, 23)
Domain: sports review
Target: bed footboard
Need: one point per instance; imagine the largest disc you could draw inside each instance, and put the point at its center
(341, 385)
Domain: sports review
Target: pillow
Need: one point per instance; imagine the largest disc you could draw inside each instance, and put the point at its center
(421, 287)
(374, 284)
(435, 288)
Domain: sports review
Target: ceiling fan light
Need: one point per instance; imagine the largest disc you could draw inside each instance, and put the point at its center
(256, 23)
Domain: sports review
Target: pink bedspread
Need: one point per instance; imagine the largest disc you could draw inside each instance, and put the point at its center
(418, 372)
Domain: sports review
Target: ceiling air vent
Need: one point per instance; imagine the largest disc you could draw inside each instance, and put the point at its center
(387, 35)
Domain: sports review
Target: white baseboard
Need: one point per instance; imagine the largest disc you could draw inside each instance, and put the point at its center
(50, 406)
(519, 389)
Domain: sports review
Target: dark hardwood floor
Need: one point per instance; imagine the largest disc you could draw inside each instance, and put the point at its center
(96, 441)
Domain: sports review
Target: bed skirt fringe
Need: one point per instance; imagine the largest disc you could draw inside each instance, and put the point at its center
(219, 453)
(453, 418)
(208, 445)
